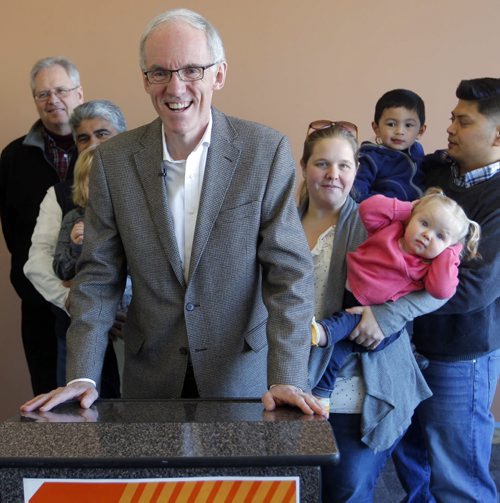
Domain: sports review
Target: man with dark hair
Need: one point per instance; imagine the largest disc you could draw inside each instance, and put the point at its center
(28, 167)
(96, 121)
(462, 338)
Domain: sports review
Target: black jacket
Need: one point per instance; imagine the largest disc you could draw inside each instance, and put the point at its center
(25, 176)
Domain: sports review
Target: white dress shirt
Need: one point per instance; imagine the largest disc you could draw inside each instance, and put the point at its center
(184, 181)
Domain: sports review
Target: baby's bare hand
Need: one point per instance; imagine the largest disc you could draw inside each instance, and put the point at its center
(77, 233)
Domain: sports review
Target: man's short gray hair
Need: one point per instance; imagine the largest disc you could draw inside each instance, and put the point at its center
(65, 63)
(97, 109)
(214, 41)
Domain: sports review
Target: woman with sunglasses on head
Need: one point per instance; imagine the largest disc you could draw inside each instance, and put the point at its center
(375, 392)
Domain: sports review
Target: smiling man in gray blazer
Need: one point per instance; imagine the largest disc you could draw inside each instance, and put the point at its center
(199, 208)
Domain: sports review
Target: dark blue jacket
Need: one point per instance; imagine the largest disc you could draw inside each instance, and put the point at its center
(392, 173)
(466, 327)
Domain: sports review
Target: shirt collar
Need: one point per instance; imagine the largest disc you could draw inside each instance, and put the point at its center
(204, 142)
(475, 176)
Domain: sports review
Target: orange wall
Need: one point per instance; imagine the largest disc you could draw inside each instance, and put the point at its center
(289, 62)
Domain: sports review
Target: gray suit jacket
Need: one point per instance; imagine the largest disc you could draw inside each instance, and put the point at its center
(244, 314)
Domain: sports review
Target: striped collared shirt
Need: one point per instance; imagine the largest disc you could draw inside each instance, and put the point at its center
(475, 176)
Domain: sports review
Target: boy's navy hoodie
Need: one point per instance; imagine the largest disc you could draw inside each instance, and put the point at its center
(393, 173)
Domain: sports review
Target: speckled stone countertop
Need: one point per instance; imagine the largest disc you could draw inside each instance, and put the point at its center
(171, 433)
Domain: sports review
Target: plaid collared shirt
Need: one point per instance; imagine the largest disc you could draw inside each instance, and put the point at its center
(475, 176)
(60, 157)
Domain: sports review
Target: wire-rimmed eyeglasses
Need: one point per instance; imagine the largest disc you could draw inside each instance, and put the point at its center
(186, 74)
(60, 92)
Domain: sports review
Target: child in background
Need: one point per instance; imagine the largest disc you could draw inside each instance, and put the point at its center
(69, 244)
(391, 166)
(410, 246)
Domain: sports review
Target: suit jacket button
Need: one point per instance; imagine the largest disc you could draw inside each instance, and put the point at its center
(189, 307)
(183, 351)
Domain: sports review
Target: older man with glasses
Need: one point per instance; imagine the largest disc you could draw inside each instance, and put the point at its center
(28, 167)
(199, 207)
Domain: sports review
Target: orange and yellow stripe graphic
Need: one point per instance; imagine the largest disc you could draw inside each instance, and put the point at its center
(216, 490)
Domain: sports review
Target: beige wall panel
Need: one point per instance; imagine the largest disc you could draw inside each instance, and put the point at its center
(290, 62)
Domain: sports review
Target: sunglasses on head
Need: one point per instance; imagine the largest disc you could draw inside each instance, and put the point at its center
(324, 124)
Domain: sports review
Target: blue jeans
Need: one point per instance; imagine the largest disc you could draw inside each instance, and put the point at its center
(412, 465)
(457, 427)
(354, 478)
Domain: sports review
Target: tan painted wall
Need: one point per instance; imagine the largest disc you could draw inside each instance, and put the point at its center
(289, 62)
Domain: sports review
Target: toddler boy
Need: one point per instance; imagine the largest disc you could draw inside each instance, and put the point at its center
(391, 166)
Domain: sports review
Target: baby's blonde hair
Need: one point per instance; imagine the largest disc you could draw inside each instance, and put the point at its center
(81, 177)
(468, 231)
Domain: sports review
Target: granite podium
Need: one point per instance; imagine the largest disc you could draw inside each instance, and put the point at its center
(166, 439)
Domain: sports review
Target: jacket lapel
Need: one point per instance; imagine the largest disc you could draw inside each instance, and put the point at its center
(149, 167)
(222, 159)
